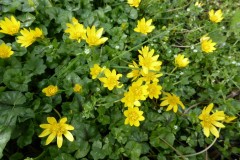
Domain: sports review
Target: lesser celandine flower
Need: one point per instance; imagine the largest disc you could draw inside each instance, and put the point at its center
(133, 116)
(144, 26)
(154, 90)
(172, 101)
(180, 61)
(139, 90)
(5, 51)
(51, 90)
(130, 100)
(134, 3)
(77, 88)
(147, 60)
(95, 71)
(135, 73)
(56, 129)
(93, 36)
(150, 76)
(207, 44)
(215, 17)
(111, 79)
(28, 37)
(210, 122)
(9, 26)
(76, 30)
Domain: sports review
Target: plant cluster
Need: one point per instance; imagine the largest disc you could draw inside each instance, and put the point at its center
(107, 79)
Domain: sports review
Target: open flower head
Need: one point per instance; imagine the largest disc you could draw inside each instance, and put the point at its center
(130, 100)
(9, 26)
(56, 129)
(51, 90)
(77, 88)
(154, 90)
(28, 37)
(138, 90)
(133, 116)
(150, 76)
(172, 101)
(215, 17)
(95, 71)
(5, 51)
(135, 73)
(76, 30)
(111, 79)
(210, 122)
(144, 26)
(134, 3)
(207, 44)
(147, 60)
(180, 61)
(93, 36)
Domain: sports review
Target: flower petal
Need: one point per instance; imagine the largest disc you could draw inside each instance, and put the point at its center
(59, 140)
(50, 138)
(69, 136)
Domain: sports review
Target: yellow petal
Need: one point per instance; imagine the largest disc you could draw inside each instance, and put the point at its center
(206, 131)
(45, 133)
(214, 131)
(164, 103)
(51, 120)
(63, 120)
(59, 141)
(69, 136)
(45, 125)
(50, 138)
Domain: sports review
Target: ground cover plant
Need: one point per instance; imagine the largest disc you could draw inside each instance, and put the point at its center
(119, 79)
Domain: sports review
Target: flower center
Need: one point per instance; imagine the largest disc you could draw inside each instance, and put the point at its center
(133, 116)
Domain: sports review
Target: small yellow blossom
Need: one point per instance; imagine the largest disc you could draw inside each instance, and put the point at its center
(93, 36)
(95, 71)
(139, 90)
(135, 73)
(111, 79)
(180, 61)
(154, 90)
(172, 101)
(76, 30)
(50, 90)
(9, 26)
(207, 44)
(133, 116)
(77, 88)
(198, 4)
(29, 37)
(134, 3)
(56, 129)
(150, 76)
(229, 119)
(210, 122)
(215, 17)
(130, 100)
(144, 26)
(5, 51)
(147, 60)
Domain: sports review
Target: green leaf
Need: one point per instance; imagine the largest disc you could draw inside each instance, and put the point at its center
(133, 13)
(64, 156)
(12, 98)
(27, 132)
(35, 65)
(5, 134)
(133, 149)
(235, 22)
(26, 19)
(83, 150)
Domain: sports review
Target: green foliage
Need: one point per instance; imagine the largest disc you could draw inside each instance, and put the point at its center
(97, 113)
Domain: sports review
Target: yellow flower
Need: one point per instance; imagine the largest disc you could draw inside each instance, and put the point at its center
(5, 51)
(154, 90)
(133, 116)
(229, 119)
(180, 61)
(198, 4)
(9, 26)
(144, 26)
(29, 37)
(76, 30)
(77, 88)
(215, 16)
(50, 90)
(129, 100)
(135, 73)
(134, 3)
(93, 37)
(147, 60)
(150, 77)
(172, 101)
(56, 129)
(111, 79)
(95, 71)
(207, 44)
(210, 122)
(138, 90)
